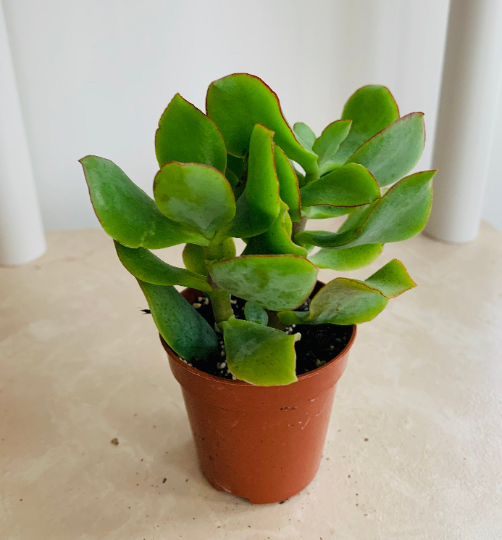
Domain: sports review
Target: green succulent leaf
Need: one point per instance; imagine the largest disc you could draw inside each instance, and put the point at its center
(342, 301)
(327, 145)
(371, 109)
(193, 259)
(399, 215)
(347, 186)
(237, 102)
(392, 279)
(304, 135)
(127, 213)
(184, 330)
(346, 259)
(394, 151)
(258, 207)
(275, 282)
(288, 183)
(196, 195)
(349, 301)
(146, 266)
(325, 212)
(187, 135)
(277, 240)
(258, 354)
(255, 314)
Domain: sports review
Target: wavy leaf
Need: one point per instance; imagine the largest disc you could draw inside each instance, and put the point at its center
(127, 213)
(255, 314)
(346, 259)
(275, 282)
(288, 183)
(304, 135)
(326, 146)
(258, 354)
(237, 102)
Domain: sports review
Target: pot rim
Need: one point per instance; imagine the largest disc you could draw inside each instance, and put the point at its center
(304, 376)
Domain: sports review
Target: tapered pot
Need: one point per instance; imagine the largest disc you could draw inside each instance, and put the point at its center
(261, 443)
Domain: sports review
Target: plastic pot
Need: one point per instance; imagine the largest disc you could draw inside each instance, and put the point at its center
(261, 443)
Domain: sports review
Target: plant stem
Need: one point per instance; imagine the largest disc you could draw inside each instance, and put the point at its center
(299, 226)
(220, 300)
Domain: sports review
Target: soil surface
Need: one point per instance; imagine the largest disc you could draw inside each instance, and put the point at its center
(319, 344)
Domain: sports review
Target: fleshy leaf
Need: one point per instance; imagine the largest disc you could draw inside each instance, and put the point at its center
(237, 102)
(371, 109)
(258, 206)
(193, 259)
(392, 279)
(327, 145)
(325, 212)
(255, 314)
(349, 301)
(184, 330)
(127, 213)
(258, 354)
(231, 177)
(277, 240)
(187, 135)
(146, 266)
(342, 301)
(346, 259)
(394, 151)
(195, 195)
(347, 186)
(304, 135)
(399, 215)
(288, 183)
(276, 282)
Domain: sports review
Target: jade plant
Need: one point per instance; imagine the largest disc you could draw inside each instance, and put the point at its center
(241, 171)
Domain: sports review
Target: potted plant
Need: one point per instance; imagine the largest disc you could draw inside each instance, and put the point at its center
(255, 341)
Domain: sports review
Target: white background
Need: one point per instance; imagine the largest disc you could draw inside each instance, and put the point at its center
(95, 75)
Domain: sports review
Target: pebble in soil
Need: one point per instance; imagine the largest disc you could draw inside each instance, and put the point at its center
(318, 344)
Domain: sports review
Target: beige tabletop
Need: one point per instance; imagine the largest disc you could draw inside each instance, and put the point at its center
(414, 449)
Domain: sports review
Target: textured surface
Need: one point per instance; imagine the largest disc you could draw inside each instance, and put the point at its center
(414, 448)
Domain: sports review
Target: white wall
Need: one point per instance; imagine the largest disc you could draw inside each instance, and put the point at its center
(95, 75)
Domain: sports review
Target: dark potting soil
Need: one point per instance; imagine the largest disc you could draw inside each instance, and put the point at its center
(318, 344)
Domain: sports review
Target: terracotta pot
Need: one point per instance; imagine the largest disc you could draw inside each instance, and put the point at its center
(261, 443)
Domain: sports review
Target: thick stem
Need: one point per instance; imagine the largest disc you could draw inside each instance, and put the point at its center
(274, 321)
(299, 226)
(220, 300)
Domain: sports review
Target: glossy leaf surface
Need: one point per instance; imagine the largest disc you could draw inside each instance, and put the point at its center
(258, 354)
(255, 314)
(371, 109)
(288, 183)
(258, 206)
(346, 259)
(347, 186)
(127, 213)
(184, 330)
(237, 102)
(349, 301)
(276, 282)
(195, 195)
(277, 240)
(327, 145)
(146, 266)
(399, 215)
(393, 152)
(304, 135)
(392, 279)
(187, 135)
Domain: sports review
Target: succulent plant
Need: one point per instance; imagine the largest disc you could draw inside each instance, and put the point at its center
(241, 171)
